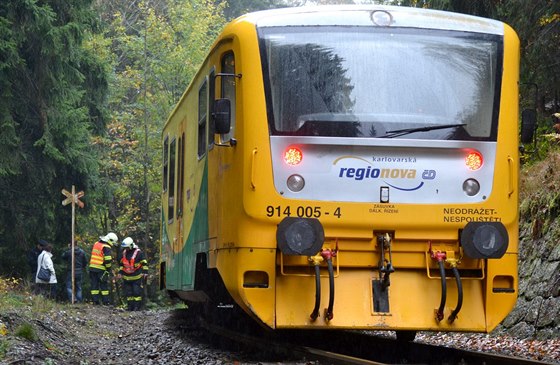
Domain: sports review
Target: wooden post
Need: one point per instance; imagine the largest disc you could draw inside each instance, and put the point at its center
(72, 197)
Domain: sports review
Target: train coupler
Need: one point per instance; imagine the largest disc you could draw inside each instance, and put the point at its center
(381, 287)
(385, 265)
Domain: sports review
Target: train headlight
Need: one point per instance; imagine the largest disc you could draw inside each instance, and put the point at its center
(295, 183)
(300, 236)
(484, 240)
(293, 156)
(474, 160)
(471, 187)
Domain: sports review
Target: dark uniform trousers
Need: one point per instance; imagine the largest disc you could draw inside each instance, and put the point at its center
(99, 280)
(133, 293)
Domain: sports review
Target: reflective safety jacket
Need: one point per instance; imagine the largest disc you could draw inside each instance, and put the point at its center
(101, 258)
(133, 264)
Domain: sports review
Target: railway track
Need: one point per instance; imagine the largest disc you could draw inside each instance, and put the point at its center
(391, 351)
(286, 350)
(351, 348)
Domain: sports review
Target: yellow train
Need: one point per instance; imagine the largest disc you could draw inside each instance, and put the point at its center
(348, 167)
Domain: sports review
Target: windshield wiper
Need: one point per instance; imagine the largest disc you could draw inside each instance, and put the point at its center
(402, 132)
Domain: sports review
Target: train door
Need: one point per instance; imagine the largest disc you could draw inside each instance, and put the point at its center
(214, 192)
(228, 173)
(195, 233)
(172, 243)
(180, 178)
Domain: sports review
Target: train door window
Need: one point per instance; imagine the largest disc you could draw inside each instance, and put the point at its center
(202, 120)
(171, 195)
(211, 98)
(181, 175)
(165, 162)
(228, 91)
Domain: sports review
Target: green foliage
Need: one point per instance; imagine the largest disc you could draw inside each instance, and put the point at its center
(4, 347)
(27, 331)
(13, 294)
(45, 119)
(544, 143)
(9, 284)
(540, 193)
(538, 25)
(40, 304)
(12, 301)
(539, 179)
(9, 61)
(153, 50)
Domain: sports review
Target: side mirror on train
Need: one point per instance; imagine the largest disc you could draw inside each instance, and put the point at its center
(222, 116)
(528, 125)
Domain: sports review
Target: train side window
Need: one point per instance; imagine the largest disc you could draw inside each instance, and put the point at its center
(202, 118)
(228, 91)
(165, 158)
(211, 98)
(181, 175)
(171, 196)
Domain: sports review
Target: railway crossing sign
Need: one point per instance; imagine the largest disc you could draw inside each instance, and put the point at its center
(74, 198)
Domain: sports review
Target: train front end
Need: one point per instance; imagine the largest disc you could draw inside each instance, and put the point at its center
(388, 181)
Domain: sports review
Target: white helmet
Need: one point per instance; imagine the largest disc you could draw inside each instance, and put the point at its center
(128, 243)
(110, 238)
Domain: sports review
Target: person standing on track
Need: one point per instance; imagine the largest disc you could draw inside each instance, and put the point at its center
(100, 268)
(133, 270)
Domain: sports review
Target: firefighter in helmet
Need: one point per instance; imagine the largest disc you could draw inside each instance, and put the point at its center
(133, 270)
(100, 268)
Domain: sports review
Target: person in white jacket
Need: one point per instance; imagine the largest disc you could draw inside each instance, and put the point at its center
(46, 288)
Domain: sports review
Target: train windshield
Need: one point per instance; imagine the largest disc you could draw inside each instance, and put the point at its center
(381, 83)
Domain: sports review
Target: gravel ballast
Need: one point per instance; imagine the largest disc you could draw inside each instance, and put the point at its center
(86, 334)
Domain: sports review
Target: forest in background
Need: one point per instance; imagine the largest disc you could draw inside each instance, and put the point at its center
(86, 86)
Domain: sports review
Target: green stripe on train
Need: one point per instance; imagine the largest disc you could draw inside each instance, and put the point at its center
(181, 265)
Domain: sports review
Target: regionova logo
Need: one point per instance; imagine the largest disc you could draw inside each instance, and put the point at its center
(361, 169)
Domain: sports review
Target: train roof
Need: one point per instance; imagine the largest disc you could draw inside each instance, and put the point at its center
(376, 15)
